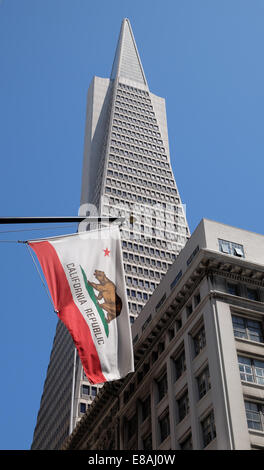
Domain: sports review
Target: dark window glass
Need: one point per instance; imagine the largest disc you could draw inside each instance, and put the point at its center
(180, 365)
(147, 442)
(197, 299)
(146, 408)
(203, 382)
(208, 429)
(82, 407)
(183, 406)
(252, 294)
(162, 387)
(232, 288)
(131, 426)
(199, 341)
(189, 309)
(86, 389)
(164, 425)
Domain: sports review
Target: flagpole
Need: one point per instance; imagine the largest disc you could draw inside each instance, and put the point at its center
(39, 220)
(73, 389)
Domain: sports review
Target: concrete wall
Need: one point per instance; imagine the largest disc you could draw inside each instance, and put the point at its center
(98, 101)
(253, 243)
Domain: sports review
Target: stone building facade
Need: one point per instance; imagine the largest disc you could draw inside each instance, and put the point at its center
(199, 356)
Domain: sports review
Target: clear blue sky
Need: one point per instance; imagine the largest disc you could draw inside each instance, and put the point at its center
(204, 56)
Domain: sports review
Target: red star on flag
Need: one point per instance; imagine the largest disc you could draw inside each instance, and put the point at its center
(106, 252)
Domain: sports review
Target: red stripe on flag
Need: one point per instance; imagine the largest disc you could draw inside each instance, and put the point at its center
(68, 311)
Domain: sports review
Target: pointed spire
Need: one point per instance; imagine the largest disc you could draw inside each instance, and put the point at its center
(127, 63)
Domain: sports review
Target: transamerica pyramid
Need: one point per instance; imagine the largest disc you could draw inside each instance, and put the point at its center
(126, 172)
(127, 63)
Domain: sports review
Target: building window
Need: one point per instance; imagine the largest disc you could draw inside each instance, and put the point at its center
(247, 329)
(180, 364)
(145, 324)
(131, 427)
(197, 299)
(154, 356)
(146, 367)
(171, 333)
(251, 370)
(82, 407)
(199, 341)
(232, 288)
(178, 323)
(183, 405)
(147, 442)
(85, 390)
(164, 426)
(252, 294)
(231, 248)
(189, 310)
(139, 376)
(161, 301)
(224, 246)
(203, 382)
(192, 255)
(208, 429)
(146, 408)
(161, 347)
(186, 444)
(177, 278)
(162, 387)
(255, 415)
(131, 388)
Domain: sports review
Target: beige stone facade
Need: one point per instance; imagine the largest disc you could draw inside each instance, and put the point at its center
(199, 355)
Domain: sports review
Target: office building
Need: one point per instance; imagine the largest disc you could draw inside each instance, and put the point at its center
(199, 356)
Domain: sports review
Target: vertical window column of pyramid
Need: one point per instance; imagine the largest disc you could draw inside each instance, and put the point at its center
(96, 201)
(140, 187)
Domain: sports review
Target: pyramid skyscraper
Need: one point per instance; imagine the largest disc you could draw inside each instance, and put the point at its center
(126, 173)
(127, 170)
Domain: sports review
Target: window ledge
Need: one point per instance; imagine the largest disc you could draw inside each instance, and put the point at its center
(145, 424)
(252, 384)
(249, 341)
(207, 447)
(162, 400)
(256, 432)
(183, 420)
(203, 398)
(182, 375)
(198, 356)
(164, 443)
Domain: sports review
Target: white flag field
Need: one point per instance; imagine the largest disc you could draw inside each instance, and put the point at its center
(85, 276)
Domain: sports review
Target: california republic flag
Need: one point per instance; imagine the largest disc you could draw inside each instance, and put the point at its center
(85, 277)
